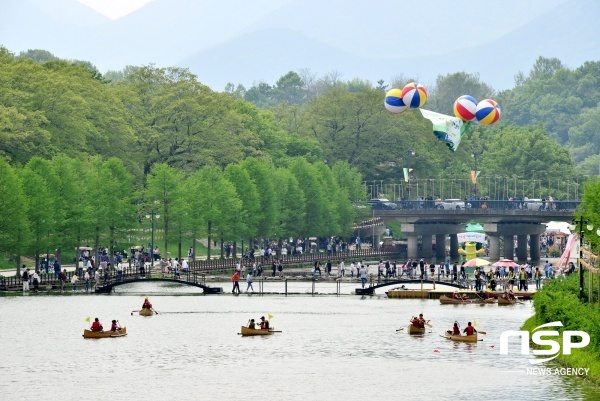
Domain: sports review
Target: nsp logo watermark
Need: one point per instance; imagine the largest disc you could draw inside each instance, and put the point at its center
(537, 338)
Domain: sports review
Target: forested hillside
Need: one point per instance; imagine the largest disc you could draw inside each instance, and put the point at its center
(98, 152)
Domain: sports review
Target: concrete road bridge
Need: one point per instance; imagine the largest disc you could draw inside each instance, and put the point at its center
(500, 221)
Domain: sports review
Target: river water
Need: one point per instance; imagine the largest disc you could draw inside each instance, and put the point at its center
(331, 347)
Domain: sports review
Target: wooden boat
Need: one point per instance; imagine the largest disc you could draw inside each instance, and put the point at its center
(449, 301)
(256, 332)
(520, 295)
(415, 330)
(146, 312)
(465, 339)
(506, 301)
(105, 334)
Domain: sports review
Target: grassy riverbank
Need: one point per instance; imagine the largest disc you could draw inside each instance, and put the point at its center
(559, 301)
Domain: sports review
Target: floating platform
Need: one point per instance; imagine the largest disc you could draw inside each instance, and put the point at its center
(408, 293)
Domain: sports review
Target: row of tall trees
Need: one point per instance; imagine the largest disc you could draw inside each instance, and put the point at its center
(68, 202)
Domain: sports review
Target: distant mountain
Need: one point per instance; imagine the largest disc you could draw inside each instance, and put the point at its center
(244, 41)
(559, 32)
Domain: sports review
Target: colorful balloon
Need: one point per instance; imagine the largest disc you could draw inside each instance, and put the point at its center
(465, 108)
(393, 101)
(487, 112)
(414, 95)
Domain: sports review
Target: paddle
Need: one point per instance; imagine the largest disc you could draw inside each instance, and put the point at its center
(428, 325)
(400, 329)
(482, 332)
(136, 311)
(155, 311)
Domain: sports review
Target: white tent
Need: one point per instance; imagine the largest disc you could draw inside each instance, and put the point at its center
(558, 227)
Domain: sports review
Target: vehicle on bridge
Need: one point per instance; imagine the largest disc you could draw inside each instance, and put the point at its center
(534, 204)
(458, 204)
(382, 204)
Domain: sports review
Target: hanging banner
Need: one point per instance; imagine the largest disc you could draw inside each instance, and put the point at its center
(447, 129)
(471, 237)
(474, 175)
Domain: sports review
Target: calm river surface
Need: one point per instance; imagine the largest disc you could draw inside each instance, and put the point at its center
(335, 348)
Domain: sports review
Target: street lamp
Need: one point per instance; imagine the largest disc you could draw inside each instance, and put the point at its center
(580, 222)
(151, 216)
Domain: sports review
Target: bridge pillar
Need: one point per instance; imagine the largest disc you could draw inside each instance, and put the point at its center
(440, 247)
(454, 248)
(509, 247)
(377, 243)
(494, 247)
(412, 246)
(522, 248)
(534, 250)
(427, 241)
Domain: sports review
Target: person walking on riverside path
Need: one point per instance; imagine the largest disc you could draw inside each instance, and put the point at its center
(249, 281)
(236, 282)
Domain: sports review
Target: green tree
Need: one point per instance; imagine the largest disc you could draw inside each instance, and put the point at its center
(311, 184)
(164, 185)
(14, 227)
(217, 205)
(260, 172)
(247, 192)
(72, 202)
(450, 86)
(590, 209)
(289, 89)
(291, 203)
(41, 212)
(115, 207)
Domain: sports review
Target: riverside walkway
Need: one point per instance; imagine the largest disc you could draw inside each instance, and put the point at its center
(196, 275)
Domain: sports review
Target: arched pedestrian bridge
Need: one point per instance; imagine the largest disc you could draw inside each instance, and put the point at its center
(191, 277)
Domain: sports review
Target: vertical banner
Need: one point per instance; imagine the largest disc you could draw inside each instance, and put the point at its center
(406, 172)
(474, 175)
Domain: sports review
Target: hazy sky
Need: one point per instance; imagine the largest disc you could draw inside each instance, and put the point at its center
(115, 9)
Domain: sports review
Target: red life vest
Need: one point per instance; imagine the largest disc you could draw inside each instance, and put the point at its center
(470, 330)
(455, 331)
(96, 326)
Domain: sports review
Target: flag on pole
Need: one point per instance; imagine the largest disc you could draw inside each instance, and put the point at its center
(474, 175)
(270, 316)
(447, 129)
(88, 319)
(406, 172)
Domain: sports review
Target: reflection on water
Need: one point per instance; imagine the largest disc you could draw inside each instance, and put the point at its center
(340, 348)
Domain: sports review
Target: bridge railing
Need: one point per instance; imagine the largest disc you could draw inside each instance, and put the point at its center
(307, 257)
(537, 205)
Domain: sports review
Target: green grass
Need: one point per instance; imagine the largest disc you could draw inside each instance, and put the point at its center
(559, 301)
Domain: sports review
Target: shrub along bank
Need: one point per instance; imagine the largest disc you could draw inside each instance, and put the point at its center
(559, 301)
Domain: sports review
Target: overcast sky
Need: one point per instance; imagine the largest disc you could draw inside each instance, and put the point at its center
(115, 9)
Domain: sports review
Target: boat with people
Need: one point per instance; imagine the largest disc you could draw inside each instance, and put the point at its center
(146, 312)
(246, 331)
(416, 330)
(105, 334)
(465, 339)
(445, 300)
(506, 301)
